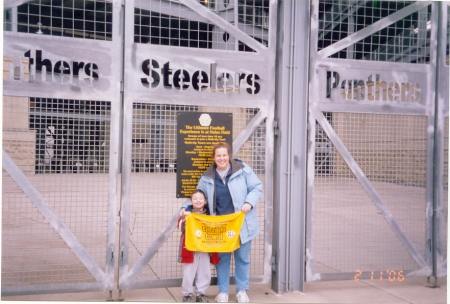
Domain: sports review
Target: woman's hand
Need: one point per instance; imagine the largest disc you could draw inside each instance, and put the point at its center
(184, 213)
(246, 208)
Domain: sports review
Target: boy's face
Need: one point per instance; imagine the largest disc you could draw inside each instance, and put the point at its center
(198, 201)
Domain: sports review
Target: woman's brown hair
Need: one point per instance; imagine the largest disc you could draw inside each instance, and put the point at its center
(221, 145)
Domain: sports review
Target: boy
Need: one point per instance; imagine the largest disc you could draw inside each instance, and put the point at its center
(195, 264)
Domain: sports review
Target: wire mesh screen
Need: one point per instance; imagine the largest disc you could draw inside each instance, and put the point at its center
(407, 40)
(171, 23)
(153, 185)
(77, 19)
(350, 232)
(71, 135)
(36, 137)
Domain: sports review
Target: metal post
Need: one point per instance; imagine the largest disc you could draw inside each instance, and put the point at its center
(440, 24)
(290, 177)
(236, 23)
(14, 24)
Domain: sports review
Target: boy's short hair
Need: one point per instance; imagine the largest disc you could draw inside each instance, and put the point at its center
(206, 199)
(199, 191)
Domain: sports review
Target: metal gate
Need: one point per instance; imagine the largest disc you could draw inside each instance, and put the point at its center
(220, 60)
(89, 133)
(61, 118)
(376, 209)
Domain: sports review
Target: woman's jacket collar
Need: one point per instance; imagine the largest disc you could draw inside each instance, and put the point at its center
(236, 165)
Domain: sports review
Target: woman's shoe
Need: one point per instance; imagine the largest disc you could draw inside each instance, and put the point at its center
(222, 297)
(242, 297)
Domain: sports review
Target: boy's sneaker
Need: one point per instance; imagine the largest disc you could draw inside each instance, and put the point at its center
(201, 298)
(222, 297)
(187, 298)
(242, 297)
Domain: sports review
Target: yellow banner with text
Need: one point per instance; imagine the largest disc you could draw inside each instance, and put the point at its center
(219, 233)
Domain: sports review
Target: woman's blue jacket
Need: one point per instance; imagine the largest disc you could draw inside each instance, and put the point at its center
(244, 186)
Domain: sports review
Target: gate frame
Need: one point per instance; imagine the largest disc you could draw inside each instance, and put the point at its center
(15, 43)
(442, 111)
(318, 63)
(133, 94)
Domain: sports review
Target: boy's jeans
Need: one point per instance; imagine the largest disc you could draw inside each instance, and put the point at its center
(241, 272)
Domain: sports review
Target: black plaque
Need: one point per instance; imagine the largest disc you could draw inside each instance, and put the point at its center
(197, 133)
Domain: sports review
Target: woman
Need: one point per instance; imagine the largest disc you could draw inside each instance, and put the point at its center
(231, 186)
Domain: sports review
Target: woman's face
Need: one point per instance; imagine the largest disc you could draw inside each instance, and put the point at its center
(221, 158)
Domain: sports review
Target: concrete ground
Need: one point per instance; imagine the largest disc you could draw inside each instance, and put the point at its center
(411, 290)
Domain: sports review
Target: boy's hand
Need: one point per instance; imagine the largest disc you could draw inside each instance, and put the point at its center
(184, 213)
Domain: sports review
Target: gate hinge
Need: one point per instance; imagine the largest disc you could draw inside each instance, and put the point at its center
(275, 128)
(273, 262)
(121, 86)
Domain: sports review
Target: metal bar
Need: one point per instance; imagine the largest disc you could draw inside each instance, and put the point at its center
(355, 107)
(236, 23)
(313, 98)
(126, 191)
(249, 129)
(50, 289)
(442, 112)
(431, 149)
(70, 115)
(226, 26)
(130, 278)
(442, 98)
(14, 21)
(126, 153)
(288, 165)
(268, 197)
(378, 201)
(367, 31)
(13, 3)
(165, 283)
(114, 155)
(367, 64)
(293, 118)
(65, 233)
